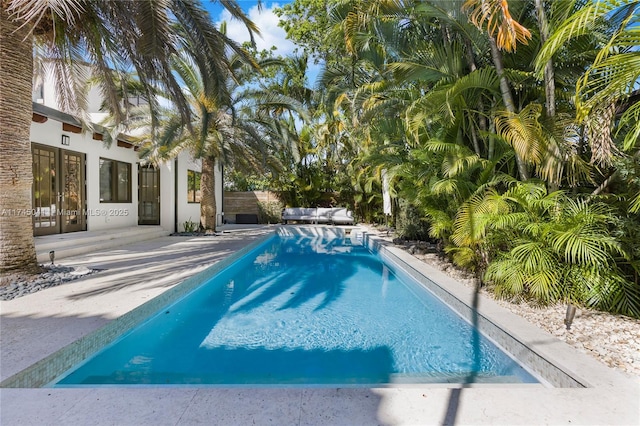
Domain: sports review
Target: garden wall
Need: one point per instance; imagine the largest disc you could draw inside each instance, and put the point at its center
(264, 206)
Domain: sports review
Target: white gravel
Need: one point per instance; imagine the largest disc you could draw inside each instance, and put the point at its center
(611, 339)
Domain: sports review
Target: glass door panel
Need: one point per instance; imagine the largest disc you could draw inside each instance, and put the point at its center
(72, 185)
(58, 191)
(45, 191)
(148, 196)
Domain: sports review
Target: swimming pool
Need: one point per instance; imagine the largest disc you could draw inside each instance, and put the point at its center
(302, 311)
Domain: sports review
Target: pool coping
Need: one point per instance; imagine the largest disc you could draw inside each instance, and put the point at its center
(557, 363)
(553, 360)
(51, 367)
(617, 403)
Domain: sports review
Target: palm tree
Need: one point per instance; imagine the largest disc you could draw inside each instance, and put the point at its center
(16, 232)
(503, 32)
(552, 247)
(611, 78)
(110, 34)
(205, 135)
(549, 75)
(227, 124)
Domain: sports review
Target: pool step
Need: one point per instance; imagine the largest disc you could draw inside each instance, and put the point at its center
(322, 231)
(75, 243)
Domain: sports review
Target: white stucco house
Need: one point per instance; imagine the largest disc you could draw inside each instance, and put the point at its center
(83, 184)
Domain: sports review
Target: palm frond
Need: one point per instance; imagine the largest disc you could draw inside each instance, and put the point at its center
(499, 22)
(523, 132)
(507, 276)
(34, 11)
(635, 204)
(630, 124)
(545, 286)
(580, 23)
(613, 293)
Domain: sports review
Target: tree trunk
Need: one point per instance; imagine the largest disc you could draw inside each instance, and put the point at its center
(549, 74)
(492, 141)
(474, 139)
(208, 188)
(17, 247)
(507, 98)
(472, 66)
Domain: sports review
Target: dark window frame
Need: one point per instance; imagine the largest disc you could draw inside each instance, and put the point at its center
(194, 195)
(114, 192)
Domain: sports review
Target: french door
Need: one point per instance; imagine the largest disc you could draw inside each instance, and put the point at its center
(59, 190)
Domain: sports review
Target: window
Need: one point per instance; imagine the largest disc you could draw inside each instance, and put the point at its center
(115, 181)
(193, 186)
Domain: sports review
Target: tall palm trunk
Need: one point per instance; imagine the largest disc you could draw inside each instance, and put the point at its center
(507, 98)
(549, 74)
(17, 248)
(208, 188)
(472, 66)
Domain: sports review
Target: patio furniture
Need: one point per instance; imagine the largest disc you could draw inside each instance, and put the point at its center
(334, 215)
(341, 216)
(299, 214)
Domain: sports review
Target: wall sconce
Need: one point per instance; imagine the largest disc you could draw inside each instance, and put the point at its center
(65, 140)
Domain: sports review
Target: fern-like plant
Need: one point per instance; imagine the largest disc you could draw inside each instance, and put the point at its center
(557, 249)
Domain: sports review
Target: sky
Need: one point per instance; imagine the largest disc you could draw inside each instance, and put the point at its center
(270, 33)
(266, 20)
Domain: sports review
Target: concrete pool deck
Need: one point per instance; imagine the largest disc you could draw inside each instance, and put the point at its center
(39, 324)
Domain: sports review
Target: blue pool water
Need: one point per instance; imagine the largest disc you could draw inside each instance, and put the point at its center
(302, 311)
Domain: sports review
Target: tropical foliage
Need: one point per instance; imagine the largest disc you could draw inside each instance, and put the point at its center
(509, 127)
(509, 130)
(115, 37)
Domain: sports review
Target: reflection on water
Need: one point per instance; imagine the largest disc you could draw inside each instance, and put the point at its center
(303, 311)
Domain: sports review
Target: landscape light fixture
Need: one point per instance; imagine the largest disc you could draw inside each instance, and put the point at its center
(52, 256)
(570, 314)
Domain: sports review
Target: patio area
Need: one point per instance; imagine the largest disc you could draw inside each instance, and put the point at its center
(37, 325)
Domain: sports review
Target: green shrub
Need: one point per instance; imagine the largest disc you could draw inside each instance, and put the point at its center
(190, 226)
(269, 212)
(409, 224)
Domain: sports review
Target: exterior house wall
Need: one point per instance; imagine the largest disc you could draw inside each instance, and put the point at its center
(45, 93)
(186, 210)
(118, 214)
(50, 133)
(174, 207)
(167, 196)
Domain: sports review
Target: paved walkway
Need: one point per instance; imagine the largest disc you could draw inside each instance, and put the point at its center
(39, 324)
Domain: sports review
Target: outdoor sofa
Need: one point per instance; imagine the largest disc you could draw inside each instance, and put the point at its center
(334, 215)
